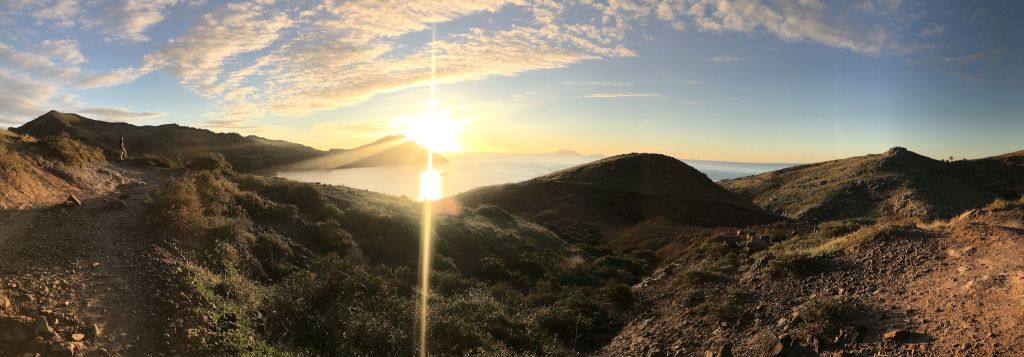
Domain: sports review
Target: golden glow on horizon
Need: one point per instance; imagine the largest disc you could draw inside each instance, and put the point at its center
(434, 131)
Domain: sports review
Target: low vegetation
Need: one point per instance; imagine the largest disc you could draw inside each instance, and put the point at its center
(290, 268)
(70, 151)
(823, 318)
(10, 162)
(1005, 203)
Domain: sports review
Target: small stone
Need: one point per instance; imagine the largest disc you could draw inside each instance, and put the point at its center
(73, 201)
(898, 335)
(77, 337)
(94, 330)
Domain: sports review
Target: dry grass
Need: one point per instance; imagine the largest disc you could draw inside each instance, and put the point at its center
(10, 162)
(1003, 203)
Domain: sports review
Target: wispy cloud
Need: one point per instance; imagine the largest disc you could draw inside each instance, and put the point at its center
(118, 114)
(724, 58)
(690, 102)
(621, 95)
(933, 29)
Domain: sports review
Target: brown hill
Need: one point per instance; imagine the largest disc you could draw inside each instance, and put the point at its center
(898, 182)
(245, 153)
(621, 191)
(37, 173)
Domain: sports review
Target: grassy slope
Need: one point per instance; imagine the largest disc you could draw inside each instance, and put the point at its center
(286, 267)
(896, 183)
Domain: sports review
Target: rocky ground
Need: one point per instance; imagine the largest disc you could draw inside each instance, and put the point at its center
(950, 288)
(82, 279)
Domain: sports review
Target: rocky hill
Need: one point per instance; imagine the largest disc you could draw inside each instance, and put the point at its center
(621, 191)
(244, 153)
(898, 182)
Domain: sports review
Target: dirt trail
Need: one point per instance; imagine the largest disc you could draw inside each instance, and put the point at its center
(87, 270)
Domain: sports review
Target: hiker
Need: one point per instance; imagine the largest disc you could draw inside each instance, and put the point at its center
(124, 153)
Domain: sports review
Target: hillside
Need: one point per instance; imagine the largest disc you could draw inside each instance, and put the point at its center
(616, 192)
(35, 173)
(898, 183)
(197, 262)
(840, 288)
(245, 153)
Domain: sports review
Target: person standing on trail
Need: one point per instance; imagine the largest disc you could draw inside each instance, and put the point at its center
(124, 153)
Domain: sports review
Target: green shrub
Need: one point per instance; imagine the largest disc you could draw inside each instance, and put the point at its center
(71, 151)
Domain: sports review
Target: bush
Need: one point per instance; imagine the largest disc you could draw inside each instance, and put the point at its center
(794, 265)
(71, 151)
(216, 193)
(177, 209)
(211, 162)
(154, 161)
(823, 317)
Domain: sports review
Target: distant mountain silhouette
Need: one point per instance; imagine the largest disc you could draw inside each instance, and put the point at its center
(245, 153)
(621, 191)
(898, 182)
(390, 150)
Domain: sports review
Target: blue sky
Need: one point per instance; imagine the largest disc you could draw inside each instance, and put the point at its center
(746, 80)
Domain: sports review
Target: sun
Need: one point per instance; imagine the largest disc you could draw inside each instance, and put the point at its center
(434, 130)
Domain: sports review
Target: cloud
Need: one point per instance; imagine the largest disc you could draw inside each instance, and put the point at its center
(115, 20)
(238, 28)
(933, 29)
(65, 69)
(689, 81)
(789, 20)
(723, 59)
(22, 98)
(65, 50)
(621, 95)
(347, 52)
(118, 114)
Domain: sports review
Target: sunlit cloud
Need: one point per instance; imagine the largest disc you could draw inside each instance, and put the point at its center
(118, 114)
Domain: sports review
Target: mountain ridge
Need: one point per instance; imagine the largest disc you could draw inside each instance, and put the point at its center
(898, 181)
(245, 153)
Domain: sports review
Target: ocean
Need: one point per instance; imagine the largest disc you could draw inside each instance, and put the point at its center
(467, 171)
